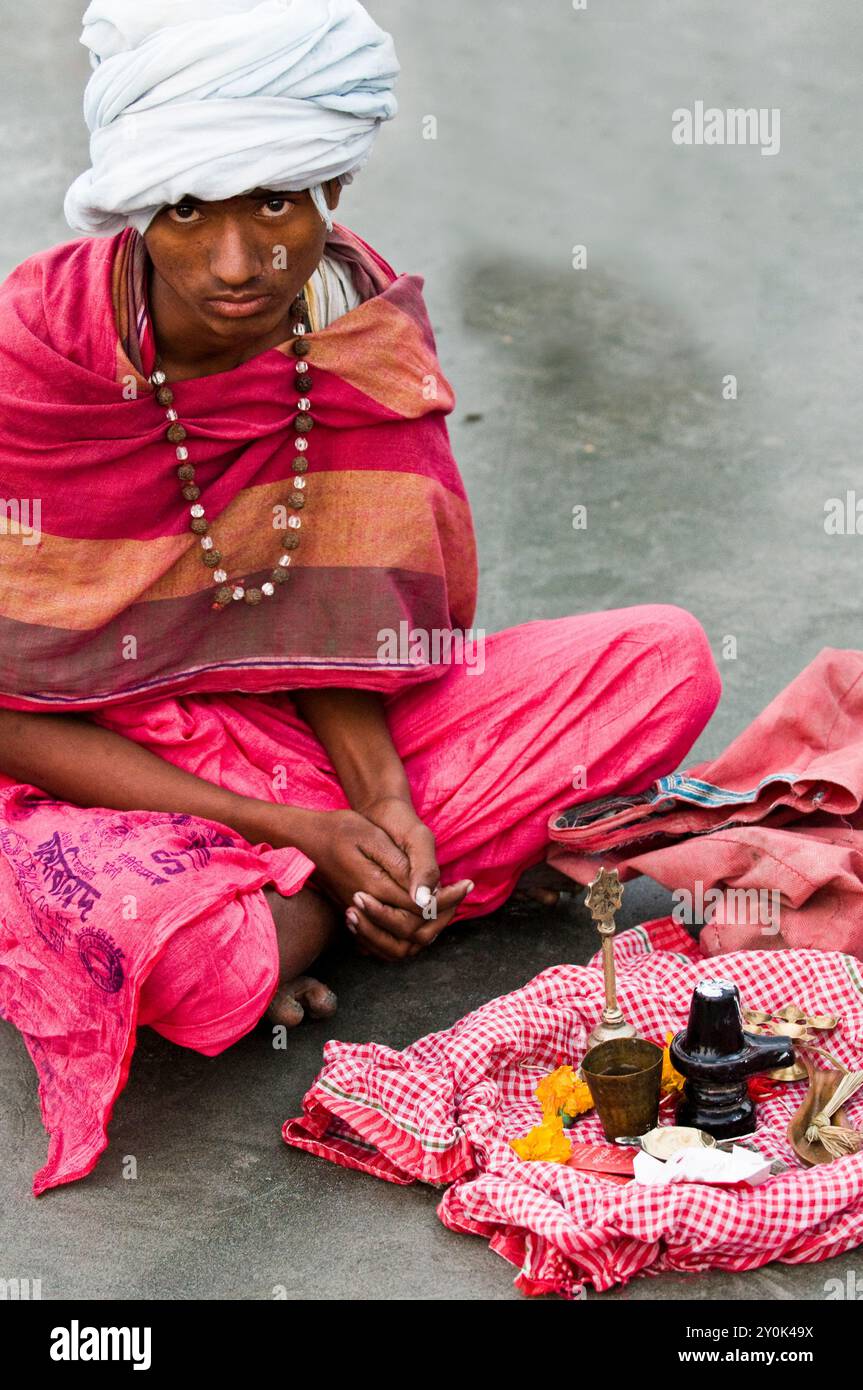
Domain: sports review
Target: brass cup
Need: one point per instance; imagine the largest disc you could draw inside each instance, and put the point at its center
(624, 1077)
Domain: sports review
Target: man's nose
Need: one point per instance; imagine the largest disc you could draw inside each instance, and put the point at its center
(234, 258)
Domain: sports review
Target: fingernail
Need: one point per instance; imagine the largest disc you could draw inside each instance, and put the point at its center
(423, 896)
(359, 900)
(352, 922)
(471, 887)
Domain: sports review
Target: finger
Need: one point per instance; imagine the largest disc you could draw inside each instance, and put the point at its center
(367, 924)
(444, 901)
(383, 850)
(380, 943)
(420, 937)
(424, 871)
(394, 920)
(352, 922)
(385, 889)
(405, 925)
(388, 870)
(427, 936)
(449, 899)
(453, 893)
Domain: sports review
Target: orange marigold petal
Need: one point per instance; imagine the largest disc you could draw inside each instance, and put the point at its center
(553, 1090)
(671, 1079)
(579, 1100)
(545, 1143)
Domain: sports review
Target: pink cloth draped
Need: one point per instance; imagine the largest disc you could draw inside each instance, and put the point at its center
(99, 547)
(767, 838)
(109, 919)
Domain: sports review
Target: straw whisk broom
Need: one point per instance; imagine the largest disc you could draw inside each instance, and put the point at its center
(838, 1140)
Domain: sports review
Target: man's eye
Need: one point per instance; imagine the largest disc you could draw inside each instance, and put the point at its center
(275, 206)
(184, 212)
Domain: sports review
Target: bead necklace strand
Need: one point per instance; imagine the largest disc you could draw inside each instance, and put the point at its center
(236, 590)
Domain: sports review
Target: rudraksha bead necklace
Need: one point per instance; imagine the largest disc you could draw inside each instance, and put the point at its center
(236, 590)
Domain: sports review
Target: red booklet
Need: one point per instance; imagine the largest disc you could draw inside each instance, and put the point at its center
(605, 1160)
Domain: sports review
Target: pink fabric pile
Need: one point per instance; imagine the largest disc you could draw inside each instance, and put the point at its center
(775, 818)
(443, 1112)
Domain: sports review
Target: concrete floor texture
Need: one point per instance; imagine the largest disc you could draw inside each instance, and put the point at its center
(600, 386)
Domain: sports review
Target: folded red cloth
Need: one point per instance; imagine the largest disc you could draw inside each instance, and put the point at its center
(443, 1111)
(768, 835)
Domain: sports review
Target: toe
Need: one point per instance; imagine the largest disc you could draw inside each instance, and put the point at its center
(547, 897)
(315, 997)
(285, 1008)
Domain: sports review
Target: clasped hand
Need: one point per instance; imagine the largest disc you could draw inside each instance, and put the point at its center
(379, 864)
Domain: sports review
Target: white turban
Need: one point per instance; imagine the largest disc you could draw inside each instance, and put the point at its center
(212, 98)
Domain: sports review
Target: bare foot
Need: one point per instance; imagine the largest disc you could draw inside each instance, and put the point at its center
(305, 925)
(542, 884)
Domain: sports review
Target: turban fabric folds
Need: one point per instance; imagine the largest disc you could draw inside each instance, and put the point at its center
(212, 98)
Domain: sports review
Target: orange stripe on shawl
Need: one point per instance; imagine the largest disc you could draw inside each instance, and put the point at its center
(404, 381)
(49, 584)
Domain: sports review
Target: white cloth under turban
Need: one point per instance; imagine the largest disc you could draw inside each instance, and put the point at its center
(213, 98)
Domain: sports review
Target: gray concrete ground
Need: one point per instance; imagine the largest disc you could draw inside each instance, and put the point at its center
(600, 386)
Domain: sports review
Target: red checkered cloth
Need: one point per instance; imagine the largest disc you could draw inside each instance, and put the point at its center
(443, 1110)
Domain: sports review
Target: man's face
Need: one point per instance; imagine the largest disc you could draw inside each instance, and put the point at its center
(232, 268)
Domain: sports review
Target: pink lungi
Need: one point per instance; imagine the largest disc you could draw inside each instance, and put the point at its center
(622, 695)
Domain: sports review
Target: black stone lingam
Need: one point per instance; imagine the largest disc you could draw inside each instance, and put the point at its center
(716, 1057)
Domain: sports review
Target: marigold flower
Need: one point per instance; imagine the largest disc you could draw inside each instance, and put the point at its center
(672, 1081)
(553, 1089)
(561, 1093)
(545, 1143)
(579, 1099)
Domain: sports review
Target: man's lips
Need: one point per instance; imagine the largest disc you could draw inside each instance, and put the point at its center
(240, 306)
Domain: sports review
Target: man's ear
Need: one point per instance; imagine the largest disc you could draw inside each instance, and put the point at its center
(333, 189)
